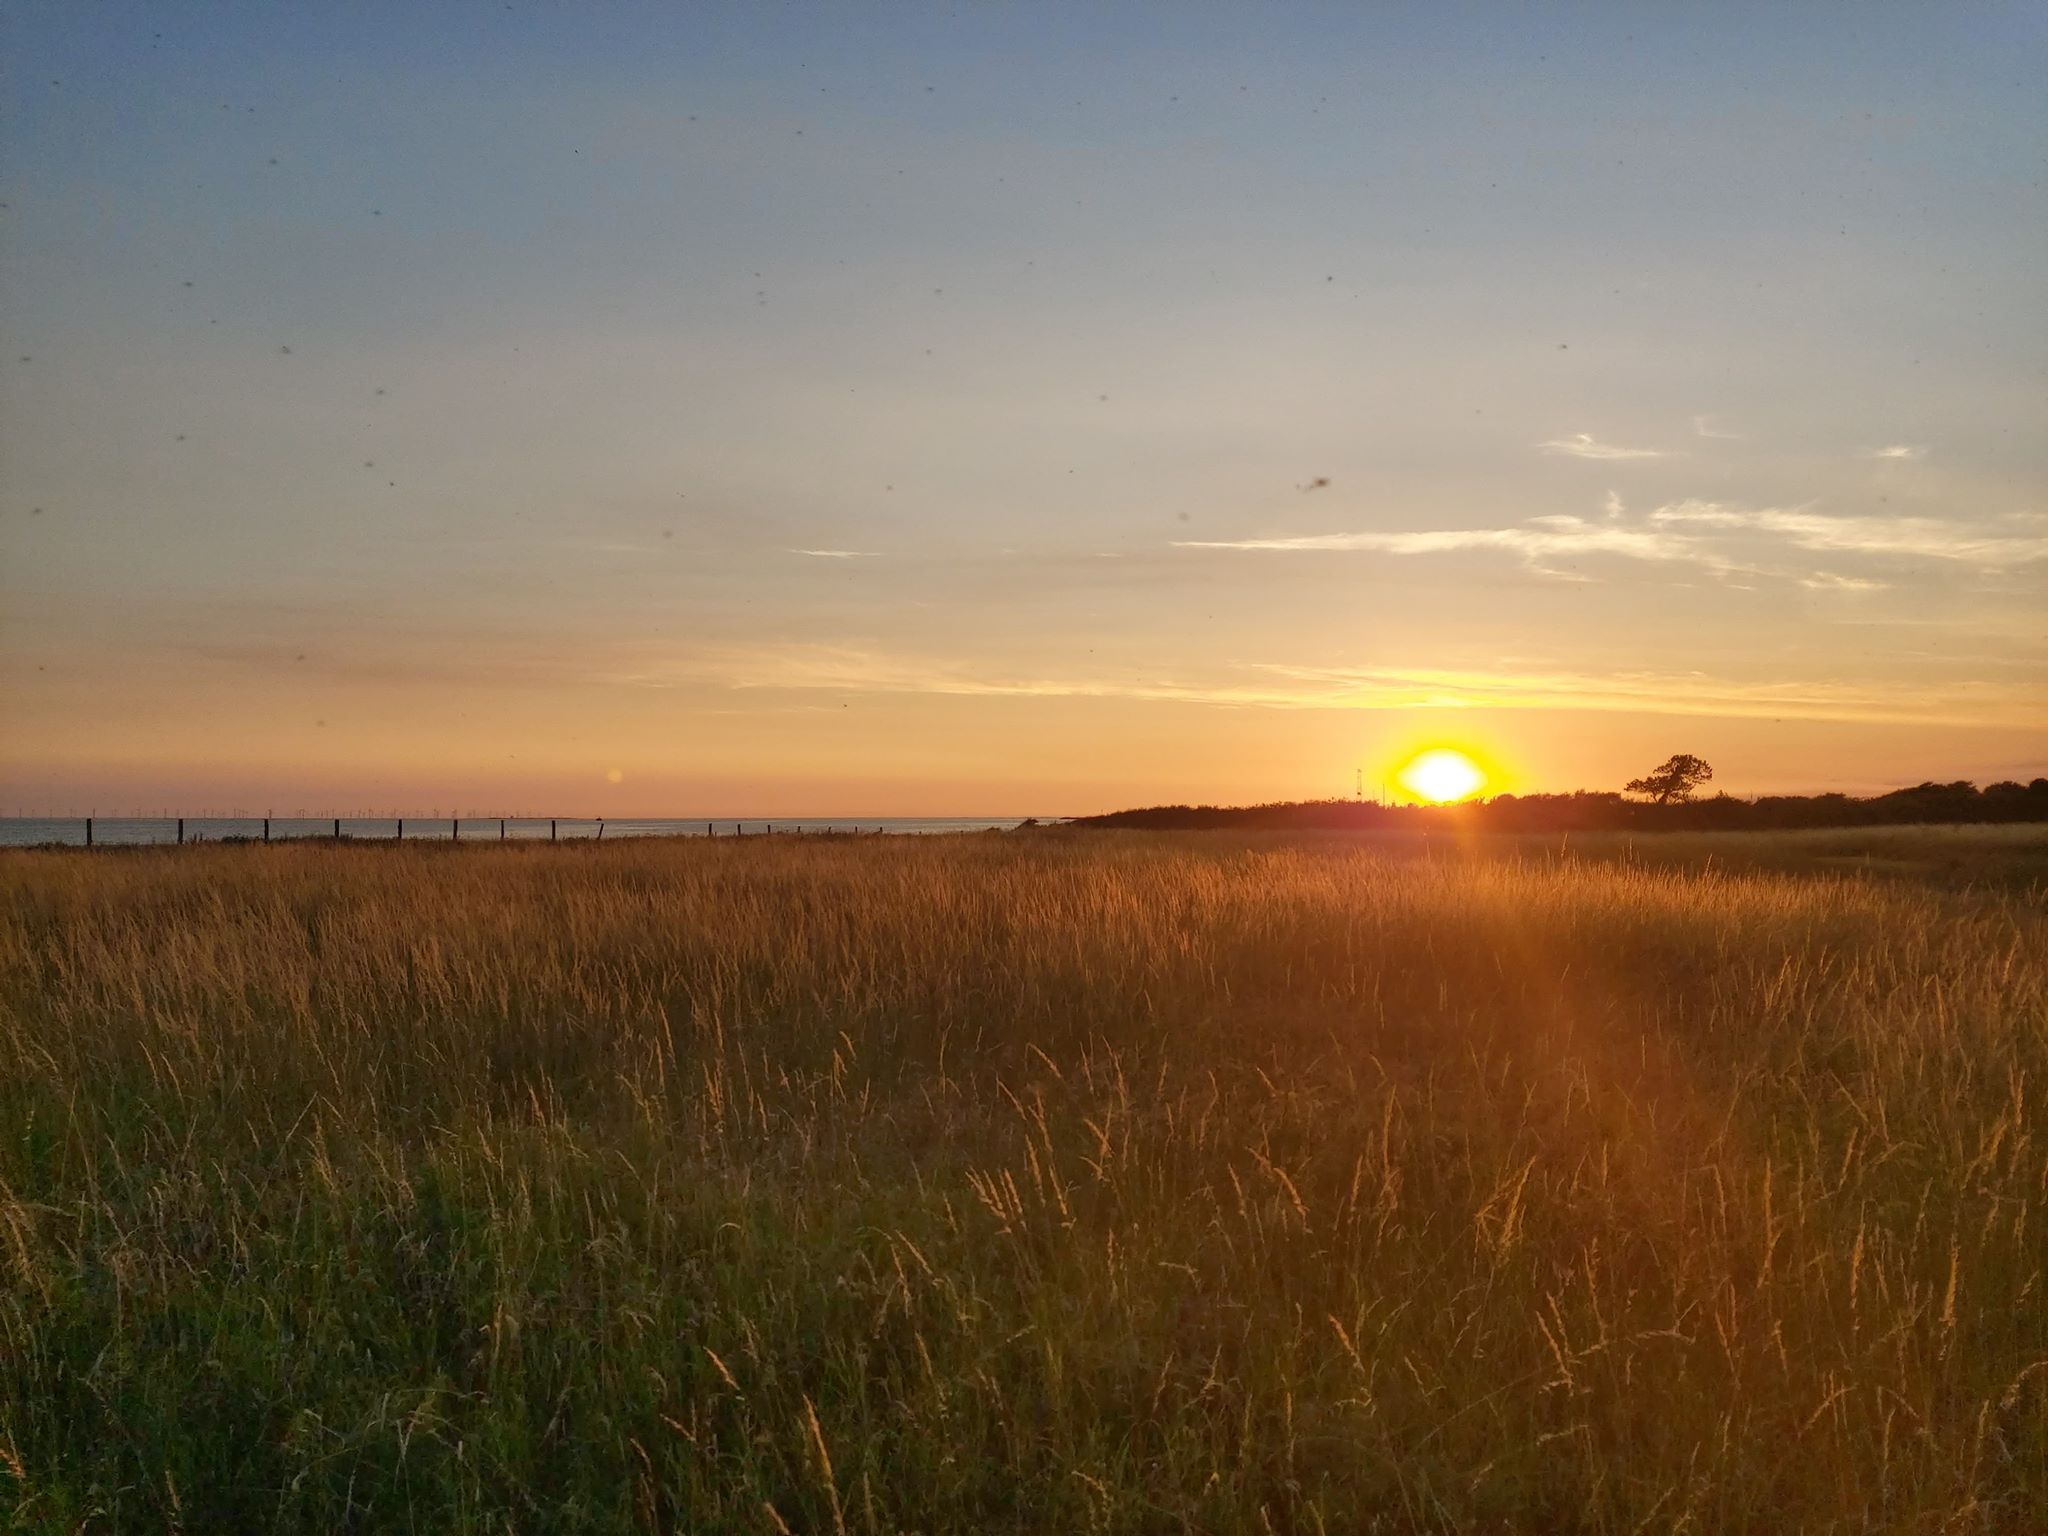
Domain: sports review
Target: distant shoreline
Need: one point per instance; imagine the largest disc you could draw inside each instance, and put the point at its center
(1929, 804)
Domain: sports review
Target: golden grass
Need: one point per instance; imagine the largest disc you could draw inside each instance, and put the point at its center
(1111, 1182)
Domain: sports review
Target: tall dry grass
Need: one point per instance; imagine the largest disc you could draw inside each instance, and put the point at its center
(1015, 1183)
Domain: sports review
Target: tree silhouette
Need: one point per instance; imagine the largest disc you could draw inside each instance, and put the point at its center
(1673, 781)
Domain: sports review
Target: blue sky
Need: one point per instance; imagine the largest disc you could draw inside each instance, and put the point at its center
(805, 409)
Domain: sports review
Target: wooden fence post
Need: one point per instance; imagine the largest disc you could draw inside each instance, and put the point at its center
(266, 829)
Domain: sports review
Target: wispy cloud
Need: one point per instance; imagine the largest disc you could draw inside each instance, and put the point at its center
(1581, 445)
(1682, 693)
(1703, 426)
(1539, 537)
(1829, 581)
(1697, 533)
(848, 669)
(1900, 451)
(837, 554)
(1920, 537)
(854, 669)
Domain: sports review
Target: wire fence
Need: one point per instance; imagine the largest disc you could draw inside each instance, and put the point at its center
(147, 831)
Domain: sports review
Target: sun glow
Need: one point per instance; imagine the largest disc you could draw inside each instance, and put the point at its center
(1441, 775)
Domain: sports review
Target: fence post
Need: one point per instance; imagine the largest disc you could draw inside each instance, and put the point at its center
(552, 826)
(454, 829)
(266, 829)
(337, 829)
(709, 830)
(600, 829)
(401, 829)
(501, 829)
(181, 831)
(88, 831)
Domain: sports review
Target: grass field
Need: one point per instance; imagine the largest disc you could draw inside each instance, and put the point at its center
(1054, 1182)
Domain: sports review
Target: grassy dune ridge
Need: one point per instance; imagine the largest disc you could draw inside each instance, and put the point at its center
(1057, 1182)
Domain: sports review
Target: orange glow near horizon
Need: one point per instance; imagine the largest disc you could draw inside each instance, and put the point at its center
(1441, 775)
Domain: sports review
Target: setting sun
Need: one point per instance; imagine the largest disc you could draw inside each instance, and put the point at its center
(1441, 775)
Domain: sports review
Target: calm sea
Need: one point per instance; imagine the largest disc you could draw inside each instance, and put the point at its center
(130, 831)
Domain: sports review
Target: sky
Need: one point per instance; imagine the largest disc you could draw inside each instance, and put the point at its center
(1013, 409)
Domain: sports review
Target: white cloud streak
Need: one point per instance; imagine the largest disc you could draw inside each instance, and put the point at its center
(1829, 581)
(1581, 445)
(1900, 451)
(1694, 532)
(1924, 538)
(1539, 537)
(837, 554)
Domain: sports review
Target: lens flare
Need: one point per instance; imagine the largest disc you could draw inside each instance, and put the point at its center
(1441, 775)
